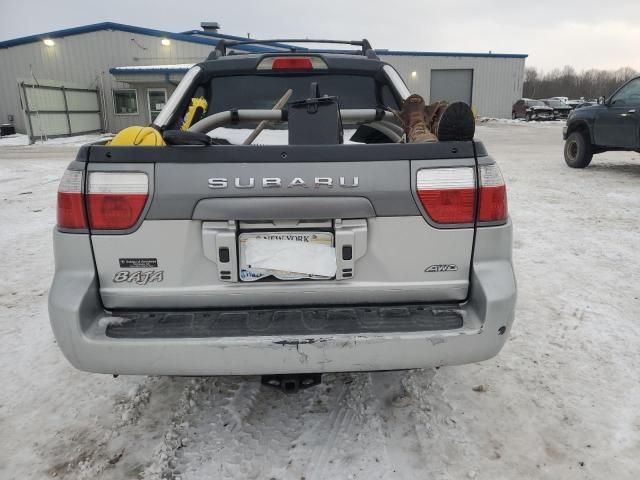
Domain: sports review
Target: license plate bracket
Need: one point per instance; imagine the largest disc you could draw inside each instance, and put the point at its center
(286, 255)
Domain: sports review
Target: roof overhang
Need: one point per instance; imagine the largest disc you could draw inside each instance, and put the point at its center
(192, 36)
(150, 73)
(403, 53)
(212, 39)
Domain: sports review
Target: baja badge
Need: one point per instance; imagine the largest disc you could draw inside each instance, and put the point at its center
(139, 277)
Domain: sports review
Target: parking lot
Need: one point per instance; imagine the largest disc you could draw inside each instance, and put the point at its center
(561, 401)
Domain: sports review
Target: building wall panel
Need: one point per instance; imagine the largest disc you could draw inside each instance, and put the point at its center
(84, 122)
(82, 100)
(497, 81)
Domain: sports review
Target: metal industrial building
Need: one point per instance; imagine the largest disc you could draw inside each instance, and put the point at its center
(108, 76)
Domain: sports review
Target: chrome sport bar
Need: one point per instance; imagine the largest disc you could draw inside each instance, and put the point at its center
(363, 115)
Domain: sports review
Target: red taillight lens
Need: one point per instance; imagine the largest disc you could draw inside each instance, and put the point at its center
(115, 212)
(493, 195)
(115, 200)
(70, 211)
(448, 194)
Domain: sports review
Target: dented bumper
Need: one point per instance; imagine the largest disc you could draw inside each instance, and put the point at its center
(78, 322)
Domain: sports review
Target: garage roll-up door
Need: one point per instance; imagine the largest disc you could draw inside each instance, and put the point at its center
(452, 85)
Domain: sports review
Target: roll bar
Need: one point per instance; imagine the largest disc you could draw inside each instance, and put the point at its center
(362, 115)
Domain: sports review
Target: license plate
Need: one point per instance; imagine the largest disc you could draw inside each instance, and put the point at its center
(287, 255)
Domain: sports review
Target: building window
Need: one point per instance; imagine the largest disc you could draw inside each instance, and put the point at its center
(156, 98)
(125, 101)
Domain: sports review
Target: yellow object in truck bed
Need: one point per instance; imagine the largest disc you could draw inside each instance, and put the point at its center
(138, 136)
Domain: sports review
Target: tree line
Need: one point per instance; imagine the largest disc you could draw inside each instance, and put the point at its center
(589, 84)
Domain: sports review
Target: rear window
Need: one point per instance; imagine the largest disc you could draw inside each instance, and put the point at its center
(263, 91)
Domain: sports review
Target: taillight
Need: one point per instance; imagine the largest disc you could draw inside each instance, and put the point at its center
(448, 194)
(292, 63)
(493, 195)
(115, 200)
(70, 211)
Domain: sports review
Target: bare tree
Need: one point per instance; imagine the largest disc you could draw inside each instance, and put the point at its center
(566, 82)
(530, 82)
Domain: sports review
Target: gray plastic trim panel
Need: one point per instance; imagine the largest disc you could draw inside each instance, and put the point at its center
(287, 321)
(283, 208)
(239, 154)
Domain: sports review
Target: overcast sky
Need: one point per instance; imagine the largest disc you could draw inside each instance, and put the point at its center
(582, 33)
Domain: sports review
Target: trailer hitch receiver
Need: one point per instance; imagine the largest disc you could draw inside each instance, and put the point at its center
(292, 383)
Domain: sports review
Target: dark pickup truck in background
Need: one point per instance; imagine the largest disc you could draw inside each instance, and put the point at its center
(614, 124)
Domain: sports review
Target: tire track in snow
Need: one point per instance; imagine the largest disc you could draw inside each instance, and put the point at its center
(149, 429)
(215, 424)
(343, 441)
(441, 436)
(241, 403)
(252, 431)
(244, 433)
(414, 420)
(132, 407)
(392, 405)
(164, 458)
(90, 451)
(339, 422)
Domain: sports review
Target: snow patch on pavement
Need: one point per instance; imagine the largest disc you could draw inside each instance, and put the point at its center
(20, 139)
(520, 122)
(563, 396)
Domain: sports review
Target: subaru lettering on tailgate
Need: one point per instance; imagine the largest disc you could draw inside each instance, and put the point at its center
(276, 182)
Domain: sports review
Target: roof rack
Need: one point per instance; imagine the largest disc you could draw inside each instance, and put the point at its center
(221, 47)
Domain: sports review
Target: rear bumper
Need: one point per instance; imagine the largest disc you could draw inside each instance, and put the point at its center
(76, 313)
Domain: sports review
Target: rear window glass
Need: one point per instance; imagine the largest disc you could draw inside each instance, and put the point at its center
(263, 91)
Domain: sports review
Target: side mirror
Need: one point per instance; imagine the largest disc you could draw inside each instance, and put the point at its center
(602, 101)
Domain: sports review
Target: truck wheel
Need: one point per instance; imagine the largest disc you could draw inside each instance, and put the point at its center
(527, 117)
(578, 150)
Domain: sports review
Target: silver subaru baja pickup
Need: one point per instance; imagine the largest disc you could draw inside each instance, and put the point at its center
(201, 257)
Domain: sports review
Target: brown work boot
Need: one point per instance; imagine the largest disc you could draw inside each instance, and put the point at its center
(434, 113)
(451, 122)
(414, 117)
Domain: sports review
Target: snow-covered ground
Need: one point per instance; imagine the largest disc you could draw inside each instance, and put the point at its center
(20, 139)
(561, 401)
(521, 122)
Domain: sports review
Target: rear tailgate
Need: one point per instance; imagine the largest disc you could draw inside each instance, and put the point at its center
(186, 248)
